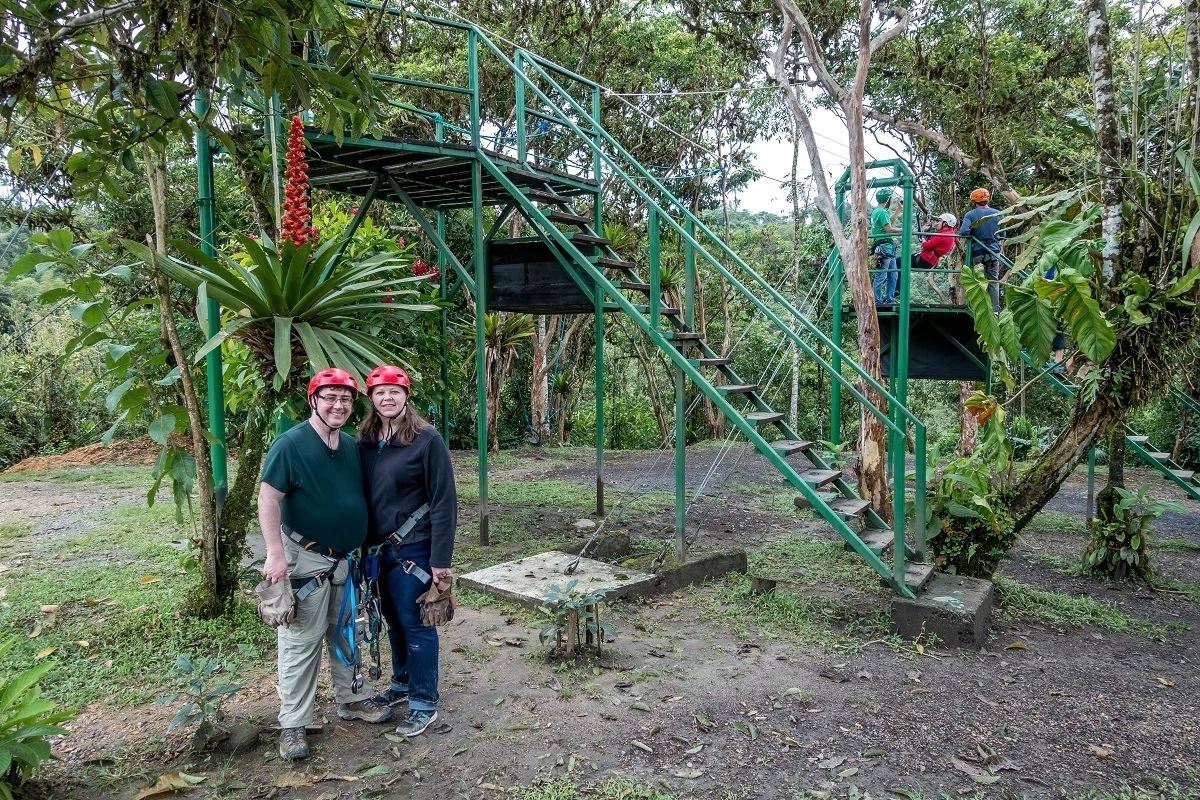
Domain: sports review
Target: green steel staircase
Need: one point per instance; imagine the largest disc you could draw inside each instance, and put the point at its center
(547, 198)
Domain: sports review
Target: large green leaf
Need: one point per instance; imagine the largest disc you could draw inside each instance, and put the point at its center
(283, 346)
(1071, 296)
(1010, 338)
(980, 302)
(1035, 322)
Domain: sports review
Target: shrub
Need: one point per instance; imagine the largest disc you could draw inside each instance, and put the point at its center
(1120, 545)
(25, 722)
(969, 532)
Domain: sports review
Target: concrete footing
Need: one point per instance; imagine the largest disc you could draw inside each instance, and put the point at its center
(528, 580)
(954, 608)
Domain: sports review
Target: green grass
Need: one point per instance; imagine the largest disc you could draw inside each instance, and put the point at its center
(561, 494)
(1175, 545)
(823, 615)
(15, 530)
(1062, 566)
(611, 789)
(136, 477)
(1021, 600)
(118, 585)
(1154, 789)
(1054, 522)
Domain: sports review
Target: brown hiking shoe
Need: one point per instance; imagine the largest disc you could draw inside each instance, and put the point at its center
(367, 710)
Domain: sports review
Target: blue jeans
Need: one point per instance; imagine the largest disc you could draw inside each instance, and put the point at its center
(414, 646)
(886, 274)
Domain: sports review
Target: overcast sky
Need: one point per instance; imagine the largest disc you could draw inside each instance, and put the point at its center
(774, 159)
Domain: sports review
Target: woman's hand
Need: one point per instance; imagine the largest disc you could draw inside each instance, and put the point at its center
(441, 574)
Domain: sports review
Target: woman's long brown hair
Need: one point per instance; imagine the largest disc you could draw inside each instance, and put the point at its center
(404, 428)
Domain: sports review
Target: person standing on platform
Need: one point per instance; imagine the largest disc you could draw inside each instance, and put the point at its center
(936, 245)
(413, 506)
(883, 222)
(982, 223)
(313, 514)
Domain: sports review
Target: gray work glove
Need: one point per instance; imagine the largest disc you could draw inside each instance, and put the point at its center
(437, 603)
(276, 603)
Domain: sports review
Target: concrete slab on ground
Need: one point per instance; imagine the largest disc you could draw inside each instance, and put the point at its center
(528, 580)
(955, 608)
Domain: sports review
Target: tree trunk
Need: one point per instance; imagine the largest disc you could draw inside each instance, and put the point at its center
(539, 388)
(968, 423)
(1181, 438)
(1108, 141)
(794, 398)
(240, 509)
(1108, 497)
(206, 601)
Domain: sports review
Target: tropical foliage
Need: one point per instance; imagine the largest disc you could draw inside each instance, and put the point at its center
(1120, 545)
(26, 722)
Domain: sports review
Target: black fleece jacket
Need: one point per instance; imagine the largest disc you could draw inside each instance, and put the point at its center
(398, 480)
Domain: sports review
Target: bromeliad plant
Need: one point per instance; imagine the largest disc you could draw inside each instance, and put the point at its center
(1120, 545)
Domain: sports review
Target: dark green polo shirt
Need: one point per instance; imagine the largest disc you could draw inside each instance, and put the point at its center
(322, 488)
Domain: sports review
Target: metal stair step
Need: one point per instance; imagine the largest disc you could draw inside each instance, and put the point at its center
(1184, 474)
(850, 506)
(762, 417)
(684, 336)
(667, 311)
(880, 541)
(802, 503)
(785, 447)
(547, 197)
(615, 263)
(634, 286)
(1138, 439)
(523, 176)
(1160, 456)
(713, 362)
(820, 477)
(737, 388)
(587, 238)
(917, 575)
(568, 218)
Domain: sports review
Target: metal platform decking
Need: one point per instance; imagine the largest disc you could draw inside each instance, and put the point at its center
(434, 174)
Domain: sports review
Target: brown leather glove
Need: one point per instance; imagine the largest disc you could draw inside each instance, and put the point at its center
(276, 603)
(437, 603)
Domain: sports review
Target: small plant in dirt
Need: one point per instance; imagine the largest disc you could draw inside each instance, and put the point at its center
(574, 618)
(25, 722)
(1120, 545)
(205, 693)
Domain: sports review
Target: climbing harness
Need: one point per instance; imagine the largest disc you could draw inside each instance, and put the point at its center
(374, 609)
(345, 637)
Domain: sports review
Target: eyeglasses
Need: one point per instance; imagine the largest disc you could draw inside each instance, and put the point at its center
(336, 400)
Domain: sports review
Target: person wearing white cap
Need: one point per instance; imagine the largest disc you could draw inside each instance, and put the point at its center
(936, 245)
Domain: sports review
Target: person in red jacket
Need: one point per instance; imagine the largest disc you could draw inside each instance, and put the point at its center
(937, 245)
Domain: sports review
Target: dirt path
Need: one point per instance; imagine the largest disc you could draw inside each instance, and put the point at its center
(707, 693)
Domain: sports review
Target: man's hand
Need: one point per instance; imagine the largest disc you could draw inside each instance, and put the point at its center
(275, 568)
(441, 574)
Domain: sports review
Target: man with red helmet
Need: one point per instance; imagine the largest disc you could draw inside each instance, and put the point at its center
(313, 514)
(413, 511)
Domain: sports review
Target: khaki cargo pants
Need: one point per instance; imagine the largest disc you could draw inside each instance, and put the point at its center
(300, 643)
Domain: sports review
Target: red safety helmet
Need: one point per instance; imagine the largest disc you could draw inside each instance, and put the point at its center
(332, 376)
(388, 375)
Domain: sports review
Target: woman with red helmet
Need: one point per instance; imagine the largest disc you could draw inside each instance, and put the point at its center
(412, 514)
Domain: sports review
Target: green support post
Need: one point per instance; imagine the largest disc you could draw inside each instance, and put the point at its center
(481, 293)
(900, 345)
(1091, 494)
(597, 164)
(206, 199)
(689, 278)
(599, 326)
(519, 61)
(680, 469)
(443, 269)
(655, 277)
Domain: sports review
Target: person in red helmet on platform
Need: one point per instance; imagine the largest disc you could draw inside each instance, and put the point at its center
(413, 511)
(313, 514)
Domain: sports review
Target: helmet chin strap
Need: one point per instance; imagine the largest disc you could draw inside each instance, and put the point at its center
(388, 431)
(317, 414)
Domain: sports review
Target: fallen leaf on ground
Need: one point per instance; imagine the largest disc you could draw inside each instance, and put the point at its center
(1018, 645)
(688, 773)
(968, 768)
(171, 782)
(642, 746)
(380, 769)
(640, 706)
(48, 609)
(1164, 681)
(292, 780)
(83, 644)
(848, 773)
(146, 580)
(832, 763)
(37, 630)
(44, 652)
(1099, 752)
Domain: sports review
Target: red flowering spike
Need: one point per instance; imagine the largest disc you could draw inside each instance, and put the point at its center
(295, 227)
